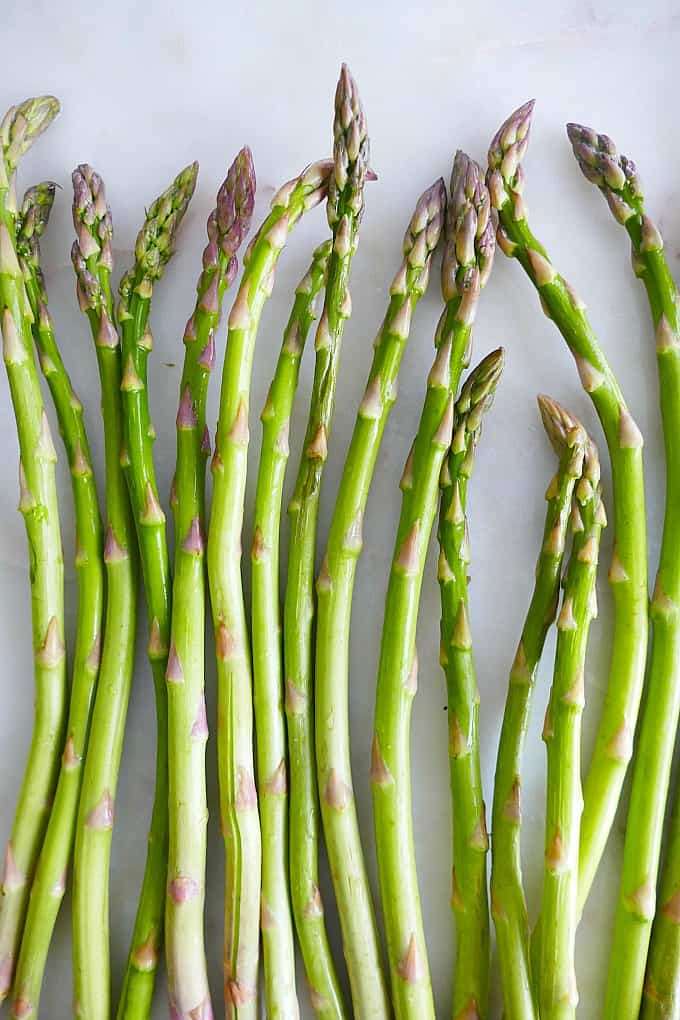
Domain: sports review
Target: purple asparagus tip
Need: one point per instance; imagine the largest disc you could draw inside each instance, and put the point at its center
(236, 202)
(510, 141)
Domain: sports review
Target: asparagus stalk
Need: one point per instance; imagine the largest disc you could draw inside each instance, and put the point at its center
(154, 247)
(558, 996)
(276, 919)
(470, 839)
(507, 892)
(238, 796)
(661, 995)
(617, 178)
(228, 224)
(48, 886)
(628, 571)
(92, 260)
(335, 598)
(466, 266)
(19, 128)
(344, 209)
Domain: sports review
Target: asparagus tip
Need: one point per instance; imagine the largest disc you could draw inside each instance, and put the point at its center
(510, 141)
(24, 123)
(470, 234)
(602, 164)
(482, 381)
(235, 204)
(35, 213)
(351, 151)
(561, 426)
(155, 242)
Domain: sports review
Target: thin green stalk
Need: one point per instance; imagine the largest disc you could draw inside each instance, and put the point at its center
(238, 796)
(38, 505)
(49, 883)
(558, 994)
(154, 247)
(276, 917)
(469, 899)
(335, 599)
(508, 904)
(616, 176)
(466, 266)
(344, 209)
(628, 570)
(661, 995)
(188, 988)
(92, 261)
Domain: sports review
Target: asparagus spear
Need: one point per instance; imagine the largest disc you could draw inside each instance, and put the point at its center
(628, 571)
(617, 178)
(344, 209)
(92, 260)
(228, 224)
(238, 796)
(470, 840)
(661, 994)
(466, 266)
(48, 886)
(19, 128)
(154, 247)
(507, 893)
(332, 637)
(558, 996)
(276, 919)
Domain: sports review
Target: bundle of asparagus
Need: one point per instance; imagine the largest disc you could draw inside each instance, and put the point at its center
(283, 671)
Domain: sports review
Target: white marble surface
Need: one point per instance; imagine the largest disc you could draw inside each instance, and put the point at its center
(148, 86)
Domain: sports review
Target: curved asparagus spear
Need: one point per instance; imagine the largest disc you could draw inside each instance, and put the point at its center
(344, 209)
(558, 995)
(189, 992)
(92, 261)
(470, 839)
(508, 904)
(238, 797)
(466, 266)
(335, 598)
(628, 571)
(276, 918)
(617, 178)
(38, 505)
(48, 886)
(154, 247)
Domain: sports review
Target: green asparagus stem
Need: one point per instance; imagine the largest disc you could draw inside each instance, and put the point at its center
(335, 599)
(238, 796)
(38, 505)
(470, 839)
(558, 995)
(189, 992)
(507, 892)
(48, 886)
(661, 995)
(344, 209)
(92, 260)
(276, 917)
(154, 247)
(468, 257)
(628, 571)
(617, 178)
